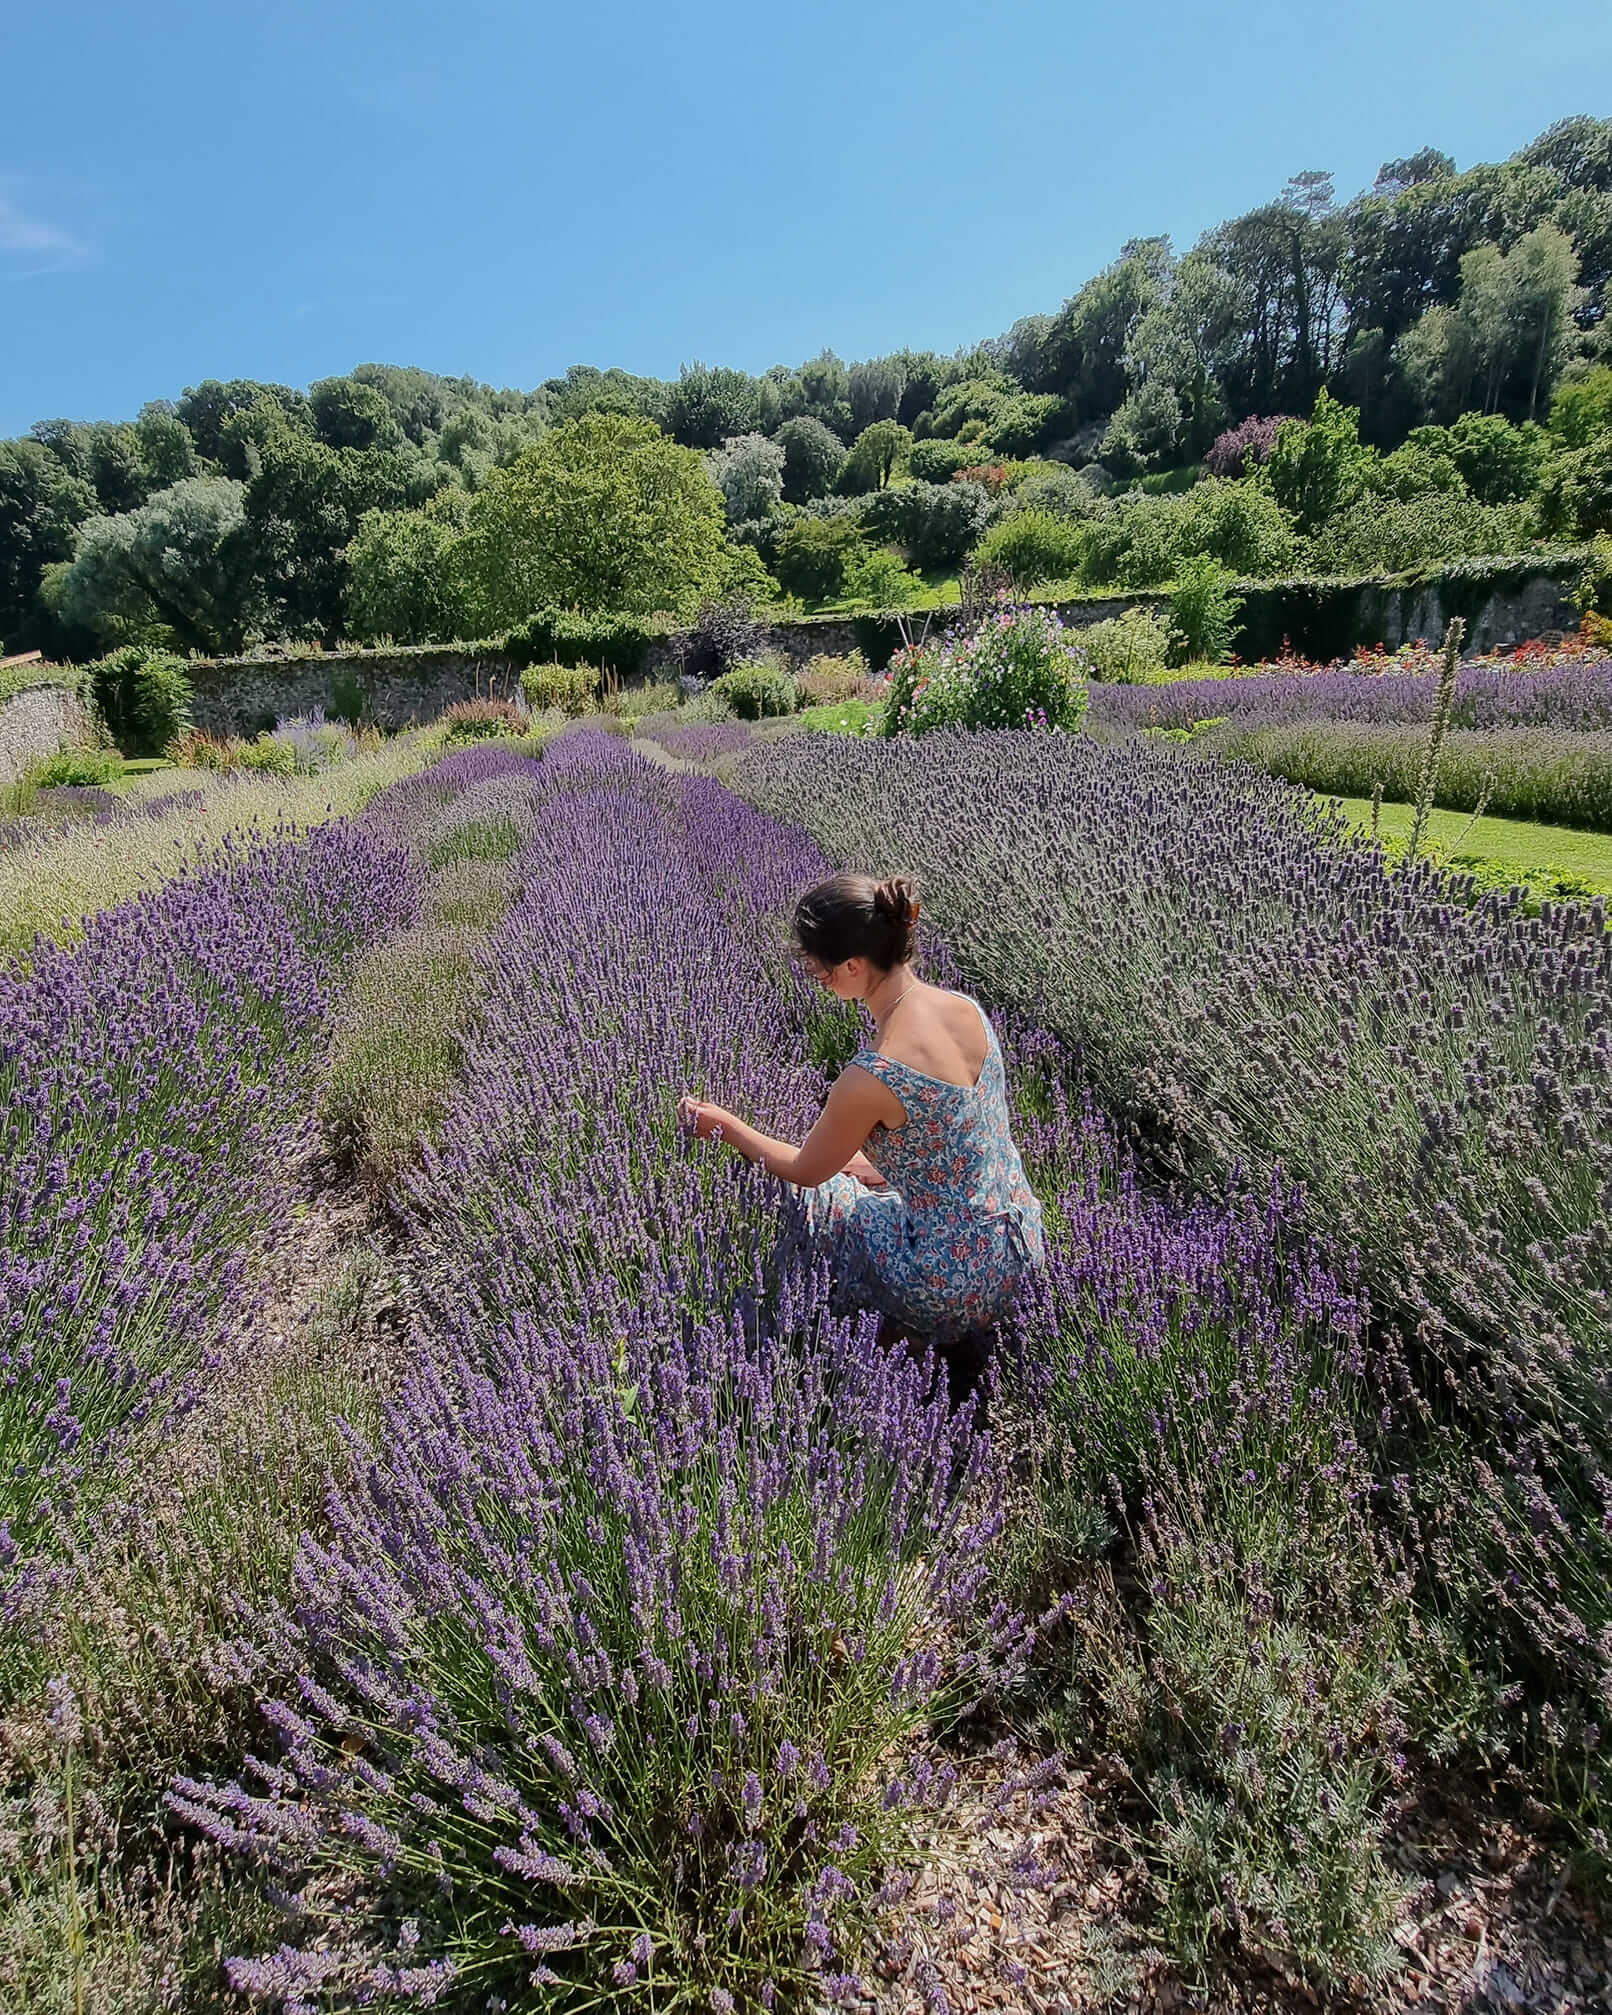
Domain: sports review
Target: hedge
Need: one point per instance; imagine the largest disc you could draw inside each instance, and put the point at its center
(617, 644)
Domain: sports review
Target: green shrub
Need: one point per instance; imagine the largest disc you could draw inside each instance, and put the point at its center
(881, 580)
(1388, 535)
(813, 555)
(569, 689)
(1203, 612)
(828, 680)
(1031, 547)
(1015, 669)
(1127, 649)
(143, 698)
(480, 720)
(1138, 541)
(617, 644)
(75, 766)
(269, 756)
(632, 702)
(939, 461)
(757, 689)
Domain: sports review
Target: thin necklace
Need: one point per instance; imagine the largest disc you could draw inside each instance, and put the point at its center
(879, 1027)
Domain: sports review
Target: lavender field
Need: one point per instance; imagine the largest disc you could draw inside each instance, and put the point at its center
(459, 1550)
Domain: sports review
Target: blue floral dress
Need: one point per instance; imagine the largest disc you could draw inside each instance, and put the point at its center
(942, 1249)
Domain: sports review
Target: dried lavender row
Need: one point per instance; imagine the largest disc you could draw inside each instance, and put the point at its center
(646, 1576)
(1439, 1078)
(150, 1081)
(1575, 697)
(1560, 776)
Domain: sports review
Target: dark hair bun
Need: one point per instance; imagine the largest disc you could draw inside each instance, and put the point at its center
(897, 899)
(854, 916)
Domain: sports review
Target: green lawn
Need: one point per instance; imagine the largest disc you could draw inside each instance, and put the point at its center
(1538, 853)
(845, 717)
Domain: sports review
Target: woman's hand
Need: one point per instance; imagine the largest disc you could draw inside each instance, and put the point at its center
(701, 1120)
(865, 1172)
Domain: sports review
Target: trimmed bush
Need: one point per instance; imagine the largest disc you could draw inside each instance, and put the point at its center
(143, 698)
(567, 689)
(758, 689)
(1558, 776)
(1032, 547)
(616, 644)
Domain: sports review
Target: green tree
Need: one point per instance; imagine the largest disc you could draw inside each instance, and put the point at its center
(874, 390)
(205, 410)
(814, 556)
(1505, 341)
(401, 582)
(707, 407)
(304, 504)
(178, 569)
(1318, 466)
(875, 456)
(749, 471)
(603, 514)
(813, 457)
(42, 504)
(1499, 463)
(1583, 408)
(349, 414)
(166, 448)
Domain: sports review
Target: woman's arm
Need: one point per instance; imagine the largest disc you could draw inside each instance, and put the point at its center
(856, 1104)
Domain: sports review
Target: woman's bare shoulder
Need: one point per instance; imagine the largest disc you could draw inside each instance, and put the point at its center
(947, 1038)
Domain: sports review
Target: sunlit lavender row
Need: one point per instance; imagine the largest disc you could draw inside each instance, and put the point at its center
(149, 1082)
(1575, 695)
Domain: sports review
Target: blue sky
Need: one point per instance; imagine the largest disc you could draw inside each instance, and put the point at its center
(286, 190)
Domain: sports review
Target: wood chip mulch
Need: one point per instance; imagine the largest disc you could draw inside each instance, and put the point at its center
(1028, 1897)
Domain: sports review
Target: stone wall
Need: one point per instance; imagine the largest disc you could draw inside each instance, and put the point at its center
(37, 722)
(837, 636)
(1509, 617)
(395, 689)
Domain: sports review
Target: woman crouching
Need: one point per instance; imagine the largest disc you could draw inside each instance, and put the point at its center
(911, 1165)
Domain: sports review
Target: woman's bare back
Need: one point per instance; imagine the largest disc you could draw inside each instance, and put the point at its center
(938, 1033)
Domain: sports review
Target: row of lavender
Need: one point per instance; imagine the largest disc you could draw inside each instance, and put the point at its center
(1437, 1073)
(611, 1664)
(1576, 695)
(152, 1097)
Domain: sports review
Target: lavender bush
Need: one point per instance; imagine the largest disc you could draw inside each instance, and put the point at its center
(1574, 697)
(1551, 774)
(704, 741)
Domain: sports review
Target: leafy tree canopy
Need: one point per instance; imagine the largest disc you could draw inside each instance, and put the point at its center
(604, 513)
